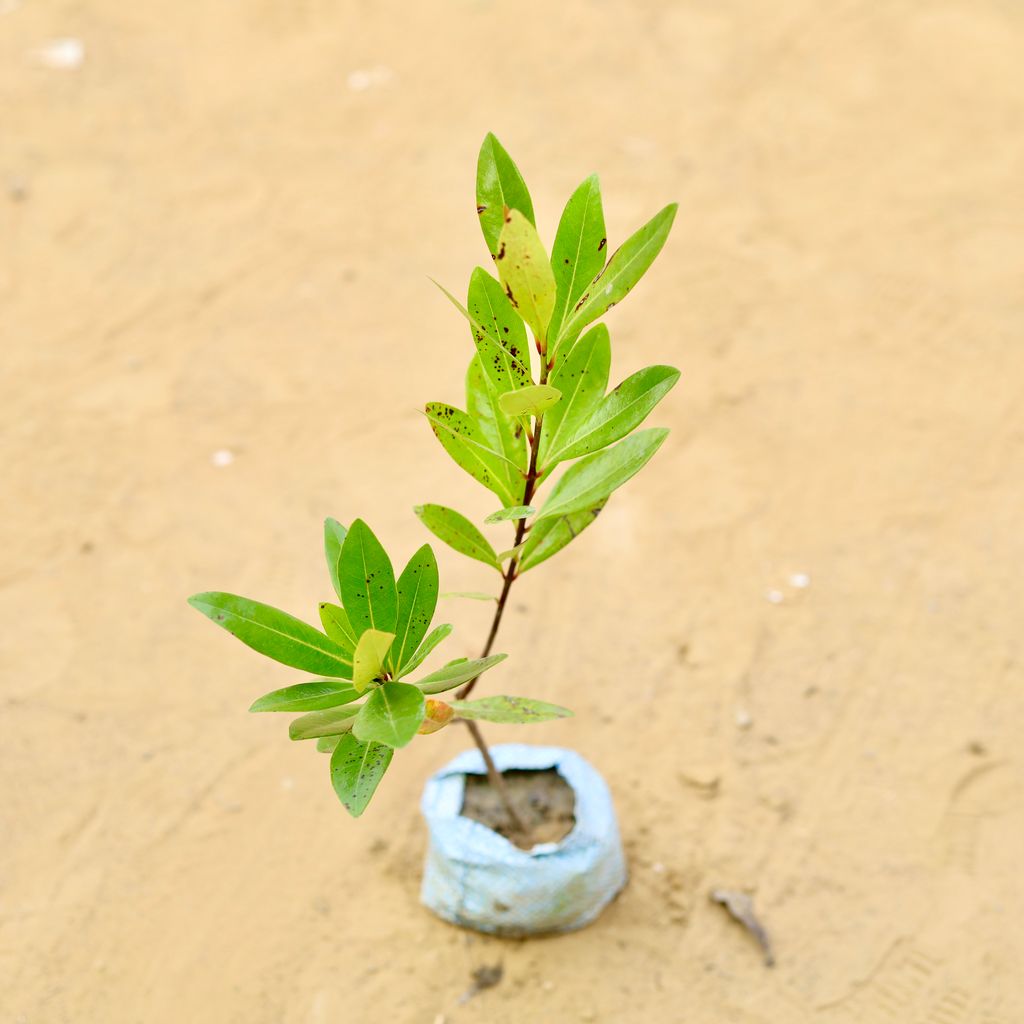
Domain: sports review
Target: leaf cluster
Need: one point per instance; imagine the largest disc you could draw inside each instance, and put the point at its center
(537, 384)
(362, 707)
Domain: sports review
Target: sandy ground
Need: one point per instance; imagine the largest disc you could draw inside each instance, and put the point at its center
(215, 236)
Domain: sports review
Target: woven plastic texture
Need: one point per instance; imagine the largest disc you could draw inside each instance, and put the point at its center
(478, 879)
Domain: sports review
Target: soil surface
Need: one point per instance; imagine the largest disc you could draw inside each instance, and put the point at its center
(543, 800)
(793, 643)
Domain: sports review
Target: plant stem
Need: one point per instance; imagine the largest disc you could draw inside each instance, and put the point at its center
(493, 775)
(495, 779)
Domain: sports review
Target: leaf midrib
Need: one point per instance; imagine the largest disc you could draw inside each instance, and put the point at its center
(287, 636)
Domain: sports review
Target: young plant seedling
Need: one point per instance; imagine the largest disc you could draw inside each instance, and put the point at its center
(519, 425)
(361, 710)
(524, 416)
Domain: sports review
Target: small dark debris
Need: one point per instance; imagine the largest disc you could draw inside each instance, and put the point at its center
(484, 977)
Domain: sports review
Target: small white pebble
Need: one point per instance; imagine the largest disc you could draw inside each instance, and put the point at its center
(63, 54)
(440, 1019)
(743, 719)
(548, 986)
(658, 868)
(222, 457)
(800, 580)
(774, 596)
(287, 783)
(362, 79)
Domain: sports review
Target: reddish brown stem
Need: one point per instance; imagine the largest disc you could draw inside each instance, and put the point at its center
(493, 775)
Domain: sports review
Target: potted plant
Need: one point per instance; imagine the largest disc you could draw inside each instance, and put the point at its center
(523, 839)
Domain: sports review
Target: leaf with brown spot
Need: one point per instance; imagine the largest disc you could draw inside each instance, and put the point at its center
(356, 771)
(498, 185)
(526, 273)
(462, 438)
(624, 269)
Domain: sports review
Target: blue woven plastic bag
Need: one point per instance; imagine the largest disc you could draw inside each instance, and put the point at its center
(476, 878)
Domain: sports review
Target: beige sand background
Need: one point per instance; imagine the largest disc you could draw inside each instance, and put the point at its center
(216, 234)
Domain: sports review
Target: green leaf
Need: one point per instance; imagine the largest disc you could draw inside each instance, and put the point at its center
(498, 185)
(501, 345)
(436, 635)
(471, 595)
(356, 771)
(391, 715)
(367, 581)
(534, 400)
(625, 268)
(592, 479)
(509, 709)
(462, 438)
(334, 537)
(368, 661)
(582, 378)
(525, 272)
(457, 532)
(504, 556)
(515, 512)
(331, 722)
(500, 433)
(326, 744)
(580, 249)
(417, 601)
(620, 411)
(274, 633)
(549, 536)
(457, 672)
(498, 333)
(337, 626)
(324, 693)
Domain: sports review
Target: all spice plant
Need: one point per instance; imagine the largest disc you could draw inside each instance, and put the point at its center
(526, 414)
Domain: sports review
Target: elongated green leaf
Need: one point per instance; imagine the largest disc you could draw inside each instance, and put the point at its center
(592, 479)
(368, 661)
(326, 744)
(509, 709)
(625, 268)
(457, 532)
(549, 536)
(356, 771)
(501, 433)
(334, 537)
(391, 715)
(534, 400)
(498, 185)
(470, 595)
(457, 672)
(417, 601)
(434, 637)
(515, 512)
(580, 249)
(337, 626)
(499, 333)
(504, 556)
(315, 696)
(274, 633)
(620, 411)
(582, 378)
(525, 273)
(463, 440)
(331, 722)
(367, 581)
